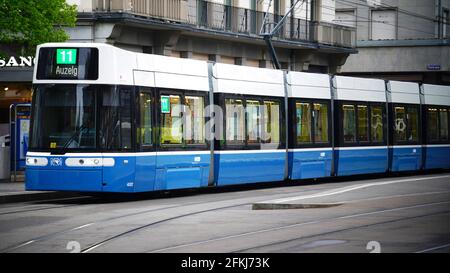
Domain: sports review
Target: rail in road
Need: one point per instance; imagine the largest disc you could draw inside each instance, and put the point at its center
(225, 221)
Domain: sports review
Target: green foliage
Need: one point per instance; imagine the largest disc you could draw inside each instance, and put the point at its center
(24, 24)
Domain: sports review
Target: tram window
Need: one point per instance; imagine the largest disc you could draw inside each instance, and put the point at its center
(115, 131)
(413, 123)
(433, 124)
(400, 123)
(64, 117)
(171, 123)
(349, 123)
(145, 128)
(443, 117)
(110, 119)
(376, 119)
(235, 114)
(125, 118)
(194, 128)
(271, 130)
(303, 114)
(253, 121)
(363, 123)
(320, 114)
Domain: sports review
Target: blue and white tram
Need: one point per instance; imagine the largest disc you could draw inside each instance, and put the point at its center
(109, 120)
(436, 109)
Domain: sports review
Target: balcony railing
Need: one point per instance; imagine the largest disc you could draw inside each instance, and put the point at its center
(225, 18)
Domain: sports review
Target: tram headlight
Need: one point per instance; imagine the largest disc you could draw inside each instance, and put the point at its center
(88, 162)
(36, 161)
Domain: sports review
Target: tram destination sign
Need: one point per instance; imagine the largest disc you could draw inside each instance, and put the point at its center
(66, 56)
(68, 63)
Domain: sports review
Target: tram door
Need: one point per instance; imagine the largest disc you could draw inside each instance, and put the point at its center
(116, 134)
(145, 156)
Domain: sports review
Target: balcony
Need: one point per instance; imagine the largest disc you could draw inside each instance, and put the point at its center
(228, 19)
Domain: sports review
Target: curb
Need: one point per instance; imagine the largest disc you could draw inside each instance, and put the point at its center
(39, 196)
(270, 206)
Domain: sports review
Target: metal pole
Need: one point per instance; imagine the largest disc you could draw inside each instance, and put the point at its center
(265, 17)
(211, 177)
(332, 111)
(286, 122)
(280, 23)
(268, 36)
(272, 52)
(388, 128)
(11, 108)
(422, 113)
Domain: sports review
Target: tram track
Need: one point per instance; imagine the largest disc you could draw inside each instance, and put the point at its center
(131, 199)
(296, 225)
(48, 236)
(47, 207)
(111, 238)
(340, 230)
(96, 245)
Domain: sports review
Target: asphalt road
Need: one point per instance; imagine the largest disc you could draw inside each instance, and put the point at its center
(395, 214)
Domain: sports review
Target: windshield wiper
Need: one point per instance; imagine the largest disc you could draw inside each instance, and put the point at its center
(72, 138)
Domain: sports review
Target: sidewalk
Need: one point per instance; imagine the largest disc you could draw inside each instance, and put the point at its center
(11, 192)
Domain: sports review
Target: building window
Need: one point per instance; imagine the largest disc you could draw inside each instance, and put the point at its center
(346, 18)
(445, 24)
(384, 25)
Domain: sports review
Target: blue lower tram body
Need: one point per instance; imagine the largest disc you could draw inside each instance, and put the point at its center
(309, 163)
(137, 173)
(406, 158)
(357, 161)
(437, 156)
(165, 171)
(234, 167)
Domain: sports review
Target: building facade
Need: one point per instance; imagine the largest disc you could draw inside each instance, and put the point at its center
(398, 39)
(220, 30)
(225, 31)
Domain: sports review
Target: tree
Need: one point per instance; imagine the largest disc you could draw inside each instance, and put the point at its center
(24, 24)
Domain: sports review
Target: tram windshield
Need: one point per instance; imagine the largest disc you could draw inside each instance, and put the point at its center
(80, 117)
(64, 117)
